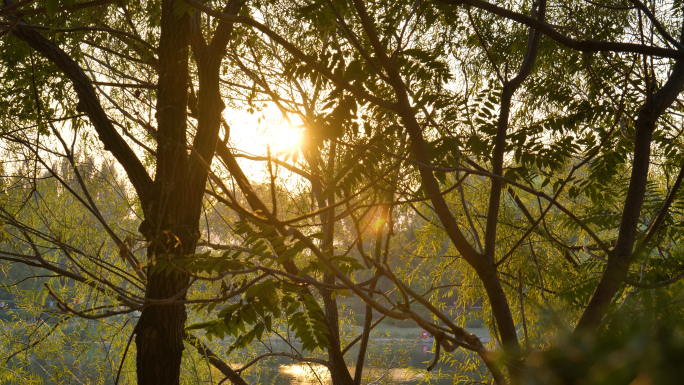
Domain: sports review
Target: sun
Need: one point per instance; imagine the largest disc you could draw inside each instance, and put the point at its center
(285, 138)
(257, 134)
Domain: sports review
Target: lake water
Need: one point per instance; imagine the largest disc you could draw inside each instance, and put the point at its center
(391, 361)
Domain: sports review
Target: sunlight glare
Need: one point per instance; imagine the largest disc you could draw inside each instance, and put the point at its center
(256, 134)
(285, 138)
(378, 223)
(302, 374)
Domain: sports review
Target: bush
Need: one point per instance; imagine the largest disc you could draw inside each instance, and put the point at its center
(636, 354)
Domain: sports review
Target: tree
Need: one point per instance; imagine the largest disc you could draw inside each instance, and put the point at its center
(531, 169)
(38, 340)
(171, 202)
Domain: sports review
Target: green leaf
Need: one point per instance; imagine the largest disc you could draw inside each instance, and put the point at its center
(180, 8)
(51, 7)
(200, 325)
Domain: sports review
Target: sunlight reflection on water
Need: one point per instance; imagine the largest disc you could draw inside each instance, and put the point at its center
(303, 374)
(388, 362)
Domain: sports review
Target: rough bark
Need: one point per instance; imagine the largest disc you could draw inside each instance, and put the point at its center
(169, 226)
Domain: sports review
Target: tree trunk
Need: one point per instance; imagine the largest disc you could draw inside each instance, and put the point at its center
(169, 224)
(159, 334)
(621, 257)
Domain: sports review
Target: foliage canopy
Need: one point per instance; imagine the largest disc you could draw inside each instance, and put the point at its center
(526, 156)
